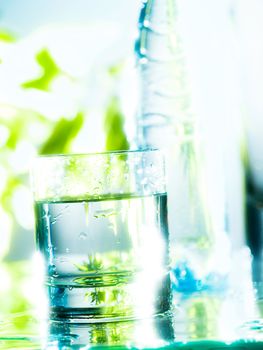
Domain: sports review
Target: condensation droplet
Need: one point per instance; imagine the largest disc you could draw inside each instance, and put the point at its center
(96, 190)
(83, 235)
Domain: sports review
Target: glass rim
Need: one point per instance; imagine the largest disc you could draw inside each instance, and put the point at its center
(73, 175)
(92, 154)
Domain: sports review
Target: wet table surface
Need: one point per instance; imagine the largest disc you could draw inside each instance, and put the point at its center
(229, 319)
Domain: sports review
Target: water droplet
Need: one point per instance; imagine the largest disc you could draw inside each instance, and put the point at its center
(83, 235)
(52, 271)
(70, 287)
(67, 250)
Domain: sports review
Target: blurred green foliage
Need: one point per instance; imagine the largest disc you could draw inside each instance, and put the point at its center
(116, 138)
(14, 301)
(49, 71)
(6, 36)
(62, 135)
(28, 131)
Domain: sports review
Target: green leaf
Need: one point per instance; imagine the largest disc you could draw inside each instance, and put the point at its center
(62, 136)
(114, 126)
(18, 125)
(16, 131)
(50, 71)
(92, 264)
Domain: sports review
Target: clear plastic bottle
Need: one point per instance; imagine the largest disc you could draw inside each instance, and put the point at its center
(190, 108)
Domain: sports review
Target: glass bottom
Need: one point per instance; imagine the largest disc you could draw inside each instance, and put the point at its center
(209, 320)
(118, 335)
(147, 333)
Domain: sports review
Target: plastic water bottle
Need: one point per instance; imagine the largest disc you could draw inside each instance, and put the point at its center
(190, 108)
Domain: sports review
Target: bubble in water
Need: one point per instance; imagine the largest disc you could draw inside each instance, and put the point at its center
(61, 260)
(83, 235)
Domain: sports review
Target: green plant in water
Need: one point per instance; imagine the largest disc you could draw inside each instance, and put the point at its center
(97, 297)
(93, 264)
(188, 149)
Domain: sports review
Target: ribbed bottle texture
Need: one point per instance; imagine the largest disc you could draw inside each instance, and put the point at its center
(170, 119)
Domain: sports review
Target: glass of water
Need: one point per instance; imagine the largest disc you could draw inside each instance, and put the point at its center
(101, 226)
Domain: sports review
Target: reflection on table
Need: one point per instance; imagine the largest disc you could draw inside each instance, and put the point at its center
(230, 318)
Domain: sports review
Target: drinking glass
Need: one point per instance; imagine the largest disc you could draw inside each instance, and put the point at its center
(101, 227)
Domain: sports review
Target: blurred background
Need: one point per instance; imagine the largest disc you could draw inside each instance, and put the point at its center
(68, 84)
(65, 86)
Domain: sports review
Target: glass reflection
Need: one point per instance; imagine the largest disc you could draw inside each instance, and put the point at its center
(151, 332)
